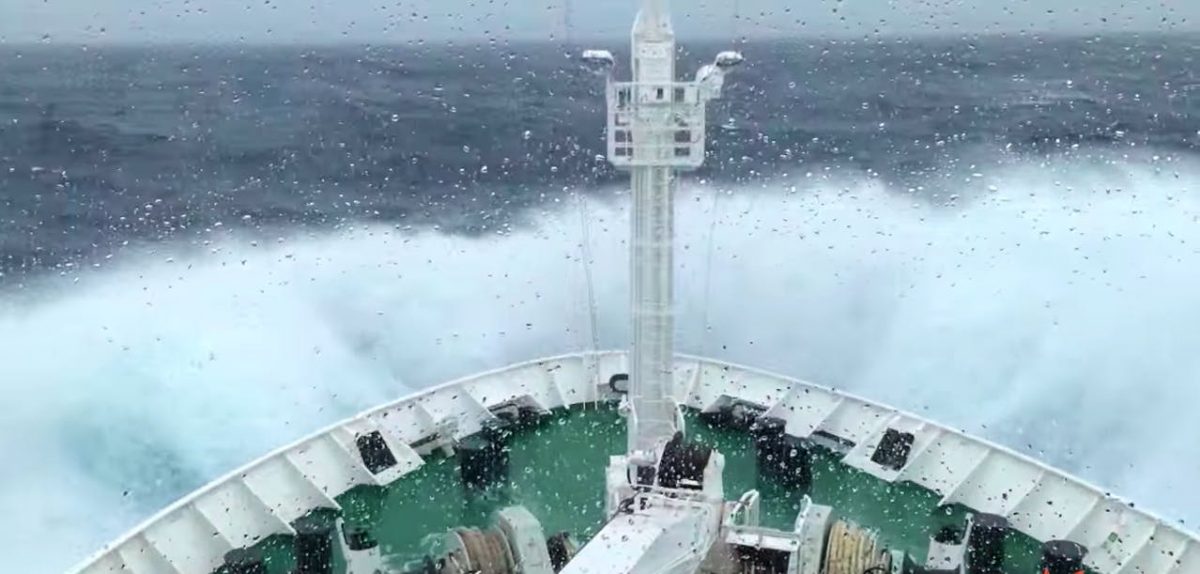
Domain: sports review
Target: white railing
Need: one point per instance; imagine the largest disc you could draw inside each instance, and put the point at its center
(659, 124)
(262, 498)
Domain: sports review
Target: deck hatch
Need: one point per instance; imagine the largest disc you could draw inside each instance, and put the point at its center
(893, 449)
(376, 455)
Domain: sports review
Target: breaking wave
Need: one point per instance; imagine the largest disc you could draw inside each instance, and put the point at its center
(1048, 304)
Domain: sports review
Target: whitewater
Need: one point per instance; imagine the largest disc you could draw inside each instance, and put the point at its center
(1048, 304)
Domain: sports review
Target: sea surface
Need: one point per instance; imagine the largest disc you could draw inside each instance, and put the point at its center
(206, 251)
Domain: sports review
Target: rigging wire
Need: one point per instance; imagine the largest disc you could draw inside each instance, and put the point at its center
(585, 241)
(585, 254)
(737, 22)
(568, 16)
(708, 259)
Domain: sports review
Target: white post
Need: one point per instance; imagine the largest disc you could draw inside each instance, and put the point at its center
(655, 129)
(651, 257)
(653, 315)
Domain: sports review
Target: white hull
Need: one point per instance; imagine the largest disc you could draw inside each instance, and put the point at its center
(263, 497)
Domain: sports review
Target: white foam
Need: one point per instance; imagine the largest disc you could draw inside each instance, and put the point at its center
(1036, 315)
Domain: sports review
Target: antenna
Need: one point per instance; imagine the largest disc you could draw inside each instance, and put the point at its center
(655, 129)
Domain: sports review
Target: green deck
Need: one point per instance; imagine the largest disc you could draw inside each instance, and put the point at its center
(557, 472)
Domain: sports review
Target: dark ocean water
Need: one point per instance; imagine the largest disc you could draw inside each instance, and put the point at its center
(101, 146)
(1000, 233)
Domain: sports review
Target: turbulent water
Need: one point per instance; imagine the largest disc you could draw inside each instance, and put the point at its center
(206, 252)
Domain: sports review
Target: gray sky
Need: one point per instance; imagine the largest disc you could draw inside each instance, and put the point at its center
(399, 21)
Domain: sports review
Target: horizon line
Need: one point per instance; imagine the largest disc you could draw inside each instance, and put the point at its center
(477, 41)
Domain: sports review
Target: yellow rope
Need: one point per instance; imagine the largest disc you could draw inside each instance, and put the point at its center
(852, 549)
(486, 552)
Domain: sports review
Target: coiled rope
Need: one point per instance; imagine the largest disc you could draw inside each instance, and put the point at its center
(482, 551)
(852, 549)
